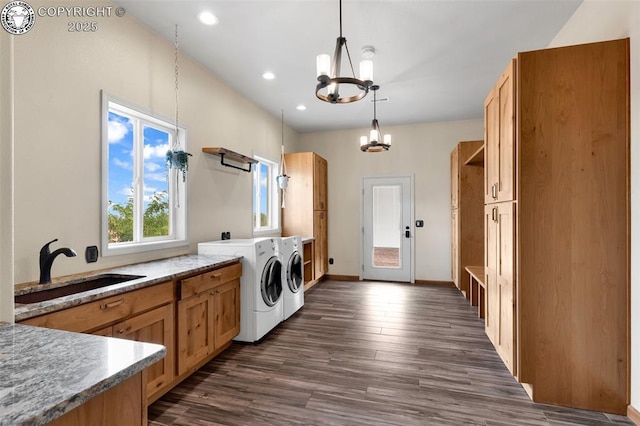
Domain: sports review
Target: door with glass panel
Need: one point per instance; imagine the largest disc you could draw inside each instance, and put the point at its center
(387, 231)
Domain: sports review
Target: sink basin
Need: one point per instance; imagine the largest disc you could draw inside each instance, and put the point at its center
(90, 283)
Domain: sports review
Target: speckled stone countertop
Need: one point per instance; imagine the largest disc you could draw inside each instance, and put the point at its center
(154, 272)
(46, 373)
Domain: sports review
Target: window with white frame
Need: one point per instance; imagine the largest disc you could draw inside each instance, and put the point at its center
(266, 197)
(143, 202)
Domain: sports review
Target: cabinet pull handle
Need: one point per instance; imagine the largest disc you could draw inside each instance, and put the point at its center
(215, 276)
(494, 214)
(112, 304)
(494, 190)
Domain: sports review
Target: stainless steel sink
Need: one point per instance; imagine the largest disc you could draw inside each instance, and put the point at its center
(90, 283)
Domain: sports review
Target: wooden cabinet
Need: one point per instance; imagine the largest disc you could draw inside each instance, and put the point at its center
(319, 183)
(96, 315)
(455, 247)
(499, 280)
(208, 315)
(499, 135)
(155, 326)
(149, 318)
(308, 267)
(562, 255)
(467, 233)
(321, 261)
(306, 203)
(123, 404)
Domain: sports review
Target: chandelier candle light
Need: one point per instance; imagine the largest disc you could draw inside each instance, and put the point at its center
(375, 144)
(330, 81)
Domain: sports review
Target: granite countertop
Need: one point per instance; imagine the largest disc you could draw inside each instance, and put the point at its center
(45, 373)
(154, 272)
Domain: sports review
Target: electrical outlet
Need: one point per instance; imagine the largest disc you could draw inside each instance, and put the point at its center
(91, 254)
(226, 235)
(331, 261)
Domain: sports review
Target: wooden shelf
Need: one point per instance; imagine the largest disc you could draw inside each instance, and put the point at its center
(477, 158)
(233, 156)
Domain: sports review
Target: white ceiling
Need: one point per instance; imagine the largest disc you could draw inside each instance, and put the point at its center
(435, 60)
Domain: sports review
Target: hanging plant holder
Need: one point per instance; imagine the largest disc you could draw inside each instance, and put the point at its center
(178, 160)
(282, 179)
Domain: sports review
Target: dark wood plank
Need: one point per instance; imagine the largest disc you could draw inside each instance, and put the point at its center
(365, 353)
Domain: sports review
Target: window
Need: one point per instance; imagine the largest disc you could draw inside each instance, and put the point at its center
(266, 197)
(143, 203)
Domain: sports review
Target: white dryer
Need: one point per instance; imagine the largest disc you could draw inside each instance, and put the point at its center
(292, 274)
(261, 300)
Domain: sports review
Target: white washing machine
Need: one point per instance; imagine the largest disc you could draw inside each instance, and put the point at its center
(261, 298)
(292, 274)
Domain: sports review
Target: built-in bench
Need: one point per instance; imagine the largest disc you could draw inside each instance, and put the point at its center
(477, 288)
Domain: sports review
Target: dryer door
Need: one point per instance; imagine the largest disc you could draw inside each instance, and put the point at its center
(294, 272)
(271, 282)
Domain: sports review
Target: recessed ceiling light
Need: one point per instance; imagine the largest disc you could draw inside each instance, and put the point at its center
(301, 107)
(207, 18)
(268, 75)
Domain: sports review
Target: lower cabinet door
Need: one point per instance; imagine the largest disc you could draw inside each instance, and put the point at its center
(227, 311)
(195, 330)
(500, 318)
(156, 326)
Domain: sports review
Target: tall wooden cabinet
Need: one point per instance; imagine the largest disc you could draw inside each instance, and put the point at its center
(305, 211)
(467, 171)
(557, 221)
(499, 223)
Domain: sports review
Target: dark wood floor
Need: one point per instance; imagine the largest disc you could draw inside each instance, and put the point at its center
(365, 354)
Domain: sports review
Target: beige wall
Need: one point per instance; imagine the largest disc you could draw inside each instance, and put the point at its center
(597, 21)
(59, 76)
(6, 177)
(421, 150)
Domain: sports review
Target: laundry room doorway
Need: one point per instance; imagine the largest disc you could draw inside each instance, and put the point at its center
(387, 229)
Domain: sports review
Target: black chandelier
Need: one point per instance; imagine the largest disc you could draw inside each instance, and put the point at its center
(330, 81)
(376, 142)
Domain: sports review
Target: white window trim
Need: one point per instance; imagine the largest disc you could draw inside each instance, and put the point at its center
(275, 199)
(179, 226)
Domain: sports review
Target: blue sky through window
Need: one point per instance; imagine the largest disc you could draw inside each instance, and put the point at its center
(121, 134)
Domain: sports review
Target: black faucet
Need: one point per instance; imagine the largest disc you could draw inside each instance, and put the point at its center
(47, 258)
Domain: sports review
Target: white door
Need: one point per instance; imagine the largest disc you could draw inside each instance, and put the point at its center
(387, 231)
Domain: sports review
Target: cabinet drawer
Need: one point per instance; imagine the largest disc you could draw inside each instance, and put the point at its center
(101, 312)
(203, 282)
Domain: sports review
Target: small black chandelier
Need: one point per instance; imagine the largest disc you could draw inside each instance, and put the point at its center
(330, 81)
(376, 142)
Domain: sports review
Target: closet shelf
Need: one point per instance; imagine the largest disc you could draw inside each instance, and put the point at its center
(232, 156)
(477, 158)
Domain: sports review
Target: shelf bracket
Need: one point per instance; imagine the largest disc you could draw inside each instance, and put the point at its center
(233, 156)
(248, 169)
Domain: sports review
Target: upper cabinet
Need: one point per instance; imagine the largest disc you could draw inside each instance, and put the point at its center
(319, 183)
(499, 128)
